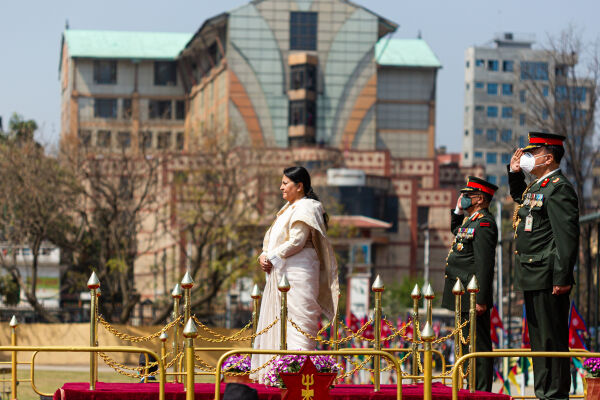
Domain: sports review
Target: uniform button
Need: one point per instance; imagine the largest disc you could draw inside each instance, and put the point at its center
(516, 251)
(531, 259)
(446, 276)
(446, 263)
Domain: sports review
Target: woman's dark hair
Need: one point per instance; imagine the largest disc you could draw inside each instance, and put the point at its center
(300, 175)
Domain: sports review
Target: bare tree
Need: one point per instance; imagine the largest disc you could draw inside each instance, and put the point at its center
(36, 197)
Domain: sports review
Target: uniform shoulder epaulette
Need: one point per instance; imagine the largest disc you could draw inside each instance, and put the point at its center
(556, 179)
(479, 216)
(545, 182)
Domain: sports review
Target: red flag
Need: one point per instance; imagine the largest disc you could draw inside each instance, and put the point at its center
(525, 335)
(495, 323)
(354, 323)
(575, 341)
(368, 332)
(385, 332)
(409, 329)
(576, 322)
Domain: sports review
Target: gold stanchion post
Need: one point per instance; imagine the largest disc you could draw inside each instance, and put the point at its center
(13, 358)
(472, 288)
(163, 347)
(189, 333)
(428, 335)
(176, 295)
(98, 294)
(416, 296)
(378, 289)
(256, 309)
(458, 290)
(93, 284)
(187, 283)
(336, 325)
(284, 287)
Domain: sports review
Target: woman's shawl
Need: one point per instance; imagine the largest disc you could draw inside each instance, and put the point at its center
(310, 212)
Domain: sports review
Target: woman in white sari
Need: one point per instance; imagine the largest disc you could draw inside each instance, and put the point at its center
(296, 245)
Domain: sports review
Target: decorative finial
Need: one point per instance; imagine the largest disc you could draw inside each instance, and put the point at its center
(98, 292)
(190, 330)
(378, 285)
(427, 333)
(176, 293)
(255, 292)
(284, 284)
(429, 294)
(93, 282)
(187, 282)
(458, 288)
(416, 292)
(473, 286)
(13, 322)
(163, 337)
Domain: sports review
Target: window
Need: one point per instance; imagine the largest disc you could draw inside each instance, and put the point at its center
(160, 109)
(165, 73)
(545, 90)
(127, 109)
(492, 65)
(302, 112)
(492, 88)
(507, 89)
(506, 135)
(105, 72)
(303, 30)
(85, 137)
(491, 158)
(479, 62)
(478, 131)
(479, 85)
(507, 112)
(163, 140)
(124, 140)
(303, 77)
(179, 141)
(492, 111)
(466, 132)
(179, 109)
(467, 64)
(537, 71)
(478, 154)
(521, 141)
(491, 179)
(506, 158)
(145, 141)
(522, 96)
(103, 139)
(522, 119)
(508, 66)
(574, 93)
(545, 114)
(491, 135)
(105, 108)
(503, 180)
(467, 86)
(479, 108)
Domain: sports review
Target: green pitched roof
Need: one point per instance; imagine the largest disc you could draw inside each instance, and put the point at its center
(119, 44)
(405, 53)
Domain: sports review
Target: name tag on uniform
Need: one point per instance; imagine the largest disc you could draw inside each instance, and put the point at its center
(529, 223)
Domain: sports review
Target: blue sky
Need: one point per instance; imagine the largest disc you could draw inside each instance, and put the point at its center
(30, 33)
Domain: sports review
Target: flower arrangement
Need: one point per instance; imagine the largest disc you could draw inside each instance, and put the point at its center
(237, 363)
(293, 363)
(592, 366)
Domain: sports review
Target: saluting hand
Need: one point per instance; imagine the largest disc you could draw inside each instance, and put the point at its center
(515, 161)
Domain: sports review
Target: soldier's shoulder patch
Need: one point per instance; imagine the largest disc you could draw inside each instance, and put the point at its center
(484, 224)
(479, 216)
(556, 179)
(545, 182)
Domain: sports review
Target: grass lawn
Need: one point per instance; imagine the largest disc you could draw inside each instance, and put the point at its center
(48, 381)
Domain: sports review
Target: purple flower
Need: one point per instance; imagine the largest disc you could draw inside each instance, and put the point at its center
(293, 363)
(592, 366)
(237, 363)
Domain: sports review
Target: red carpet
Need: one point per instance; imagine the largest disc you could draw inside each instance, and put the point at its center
(205, 391)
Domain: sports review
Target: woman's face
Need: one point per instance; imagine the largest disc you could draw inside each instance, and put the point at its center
(291, 191)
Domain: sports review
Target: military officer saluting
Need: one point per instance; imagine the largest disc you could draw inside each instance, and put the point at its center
(473, 252)
(546, 223)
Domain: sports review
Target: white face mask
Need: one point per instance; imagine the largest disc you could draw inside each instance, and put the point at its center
(527, 161)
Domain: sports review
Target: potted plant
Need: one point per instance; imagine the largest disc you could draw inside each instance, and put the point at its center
(592, 378)
(293, 363)
(235, 365)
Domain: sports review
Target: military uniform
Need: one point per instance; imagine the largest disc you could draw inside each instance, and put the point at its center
(546, 224)
(473, 252)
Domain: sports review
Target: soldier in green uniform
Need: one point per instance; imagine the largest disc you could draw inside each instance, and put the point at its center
(546, 223)
(473, 252)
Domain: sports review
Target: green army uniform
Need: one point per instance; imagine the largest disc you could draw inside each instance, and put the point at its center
(546, 225)
(473, 252)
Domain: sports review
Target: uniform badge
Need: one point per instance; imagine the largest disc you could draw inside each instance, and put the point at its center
(545, 182)
(459, 246)
(556, 179)
(484, 224)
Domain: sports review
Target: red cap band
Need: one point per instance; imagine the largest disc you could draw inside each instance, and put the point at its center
(552, 142)
(480, 187)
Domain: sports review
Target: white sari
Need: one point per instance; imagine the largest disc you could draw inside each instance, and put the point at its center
(296, 245)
